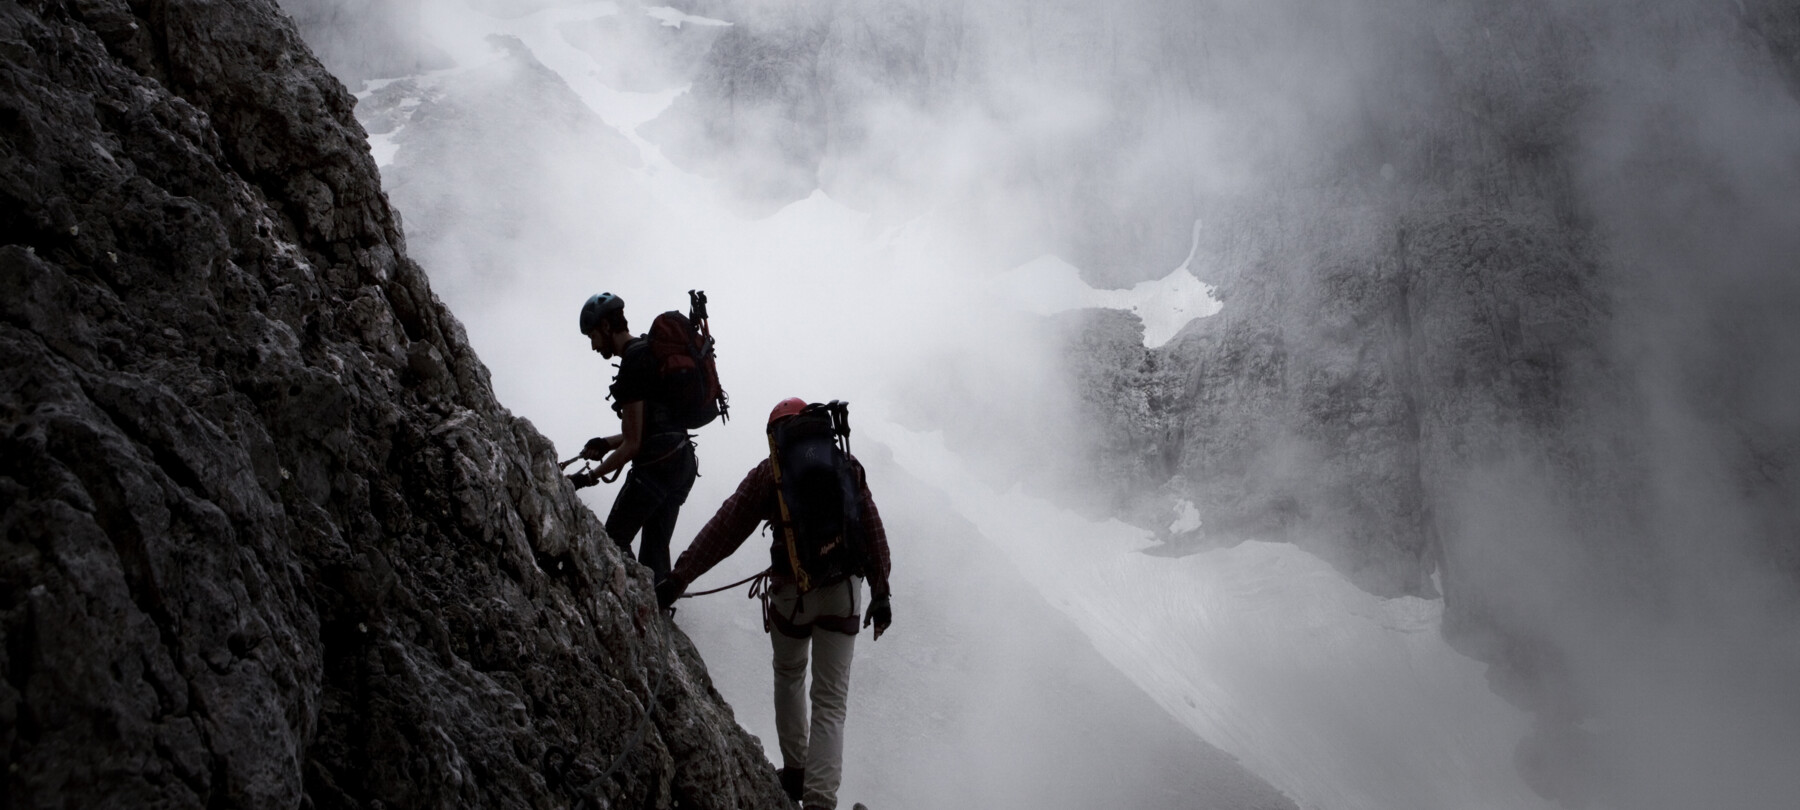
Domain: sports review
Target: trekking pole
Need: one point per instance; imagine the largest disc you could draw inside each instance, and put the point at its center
(697, 315)
(840, 420)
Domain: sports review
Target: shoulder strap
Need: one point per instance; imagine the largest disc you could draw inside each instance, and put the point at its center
(786, 525)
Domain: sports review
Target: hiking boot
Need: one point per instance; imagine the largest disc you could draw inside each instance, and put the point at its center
(793, 781)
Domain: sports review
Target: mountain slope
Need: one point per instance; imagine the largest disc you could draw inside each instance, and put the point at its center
(269, 540)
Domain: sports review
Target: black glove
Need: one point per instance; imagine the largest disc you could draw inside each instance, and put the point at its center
(669, 589)
(597, 448)
(881, 614)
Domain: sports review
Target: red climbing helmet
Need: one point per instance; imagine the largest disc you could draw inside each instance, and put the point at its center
(786, 408)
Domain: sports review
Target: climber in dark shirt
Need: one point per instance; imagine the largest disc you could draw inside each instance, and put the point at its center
(661, 456)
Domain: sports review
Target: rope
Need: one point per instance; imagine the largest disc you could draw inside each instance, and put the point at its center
(763, 574)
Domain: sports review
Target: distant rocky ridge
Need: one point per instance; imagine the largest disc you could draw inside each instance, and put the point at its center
(269, 540)
(1466, 337)
(862, 99)
(1532, 373)
(755, 117)
(1385, 336)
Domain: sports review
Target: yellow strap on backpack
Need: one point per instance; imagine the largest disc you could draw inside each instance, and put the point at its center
(801, 580)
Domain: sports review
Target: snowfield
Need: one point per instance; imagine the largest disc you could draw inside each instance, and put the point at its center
(1340, 698)
(1048, 285)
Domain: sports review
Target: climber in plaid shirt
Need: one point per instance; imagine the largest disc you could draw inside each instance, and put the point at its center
(824, 619)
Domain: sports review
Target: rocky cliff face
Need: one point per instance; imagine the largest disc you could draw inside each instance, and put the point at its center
(269, 541)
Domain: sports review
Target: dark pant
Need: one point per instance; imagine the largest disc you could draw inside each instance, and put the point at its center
(650, 500)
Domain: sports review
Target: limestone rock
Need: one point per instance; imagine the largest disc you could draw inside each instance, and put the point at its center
(269, 541)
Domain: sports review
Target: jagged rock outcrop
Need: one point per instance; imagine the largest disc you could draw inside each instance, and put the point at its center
(1134, 399)
(269, 540)
(1334, 405)
(755, 117)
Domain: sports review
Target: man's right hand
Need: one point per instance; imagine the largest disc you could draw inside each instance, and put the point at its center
(669, 589)
(597, 448)
(880, 614)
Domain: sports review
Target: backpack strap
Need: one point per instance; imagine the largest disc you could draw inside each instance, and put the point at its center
(786, 526)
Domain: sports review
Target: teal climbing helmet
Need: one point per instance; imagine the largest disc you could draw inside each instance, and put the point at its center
(598, 308)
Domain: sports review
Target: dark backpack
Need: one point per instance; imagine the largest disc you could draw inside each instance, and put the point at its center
(689, 379)
(818, 495)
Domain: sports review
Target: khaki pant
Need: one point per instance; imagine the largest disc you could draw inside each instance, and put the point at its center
(819, 746)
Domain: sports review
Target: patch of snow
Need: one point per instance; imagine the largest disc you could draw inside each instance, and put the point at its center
(674, 17)
(385, 145)
(1047, 285)
(384, 148)
(1187, 518)
(371, 85)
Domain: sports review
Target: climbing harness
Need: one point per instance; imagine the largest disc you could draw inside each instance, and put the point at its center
(762, 590)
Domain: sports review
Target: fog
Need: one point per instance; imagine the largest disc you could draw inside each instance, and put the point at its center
(893, 230)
